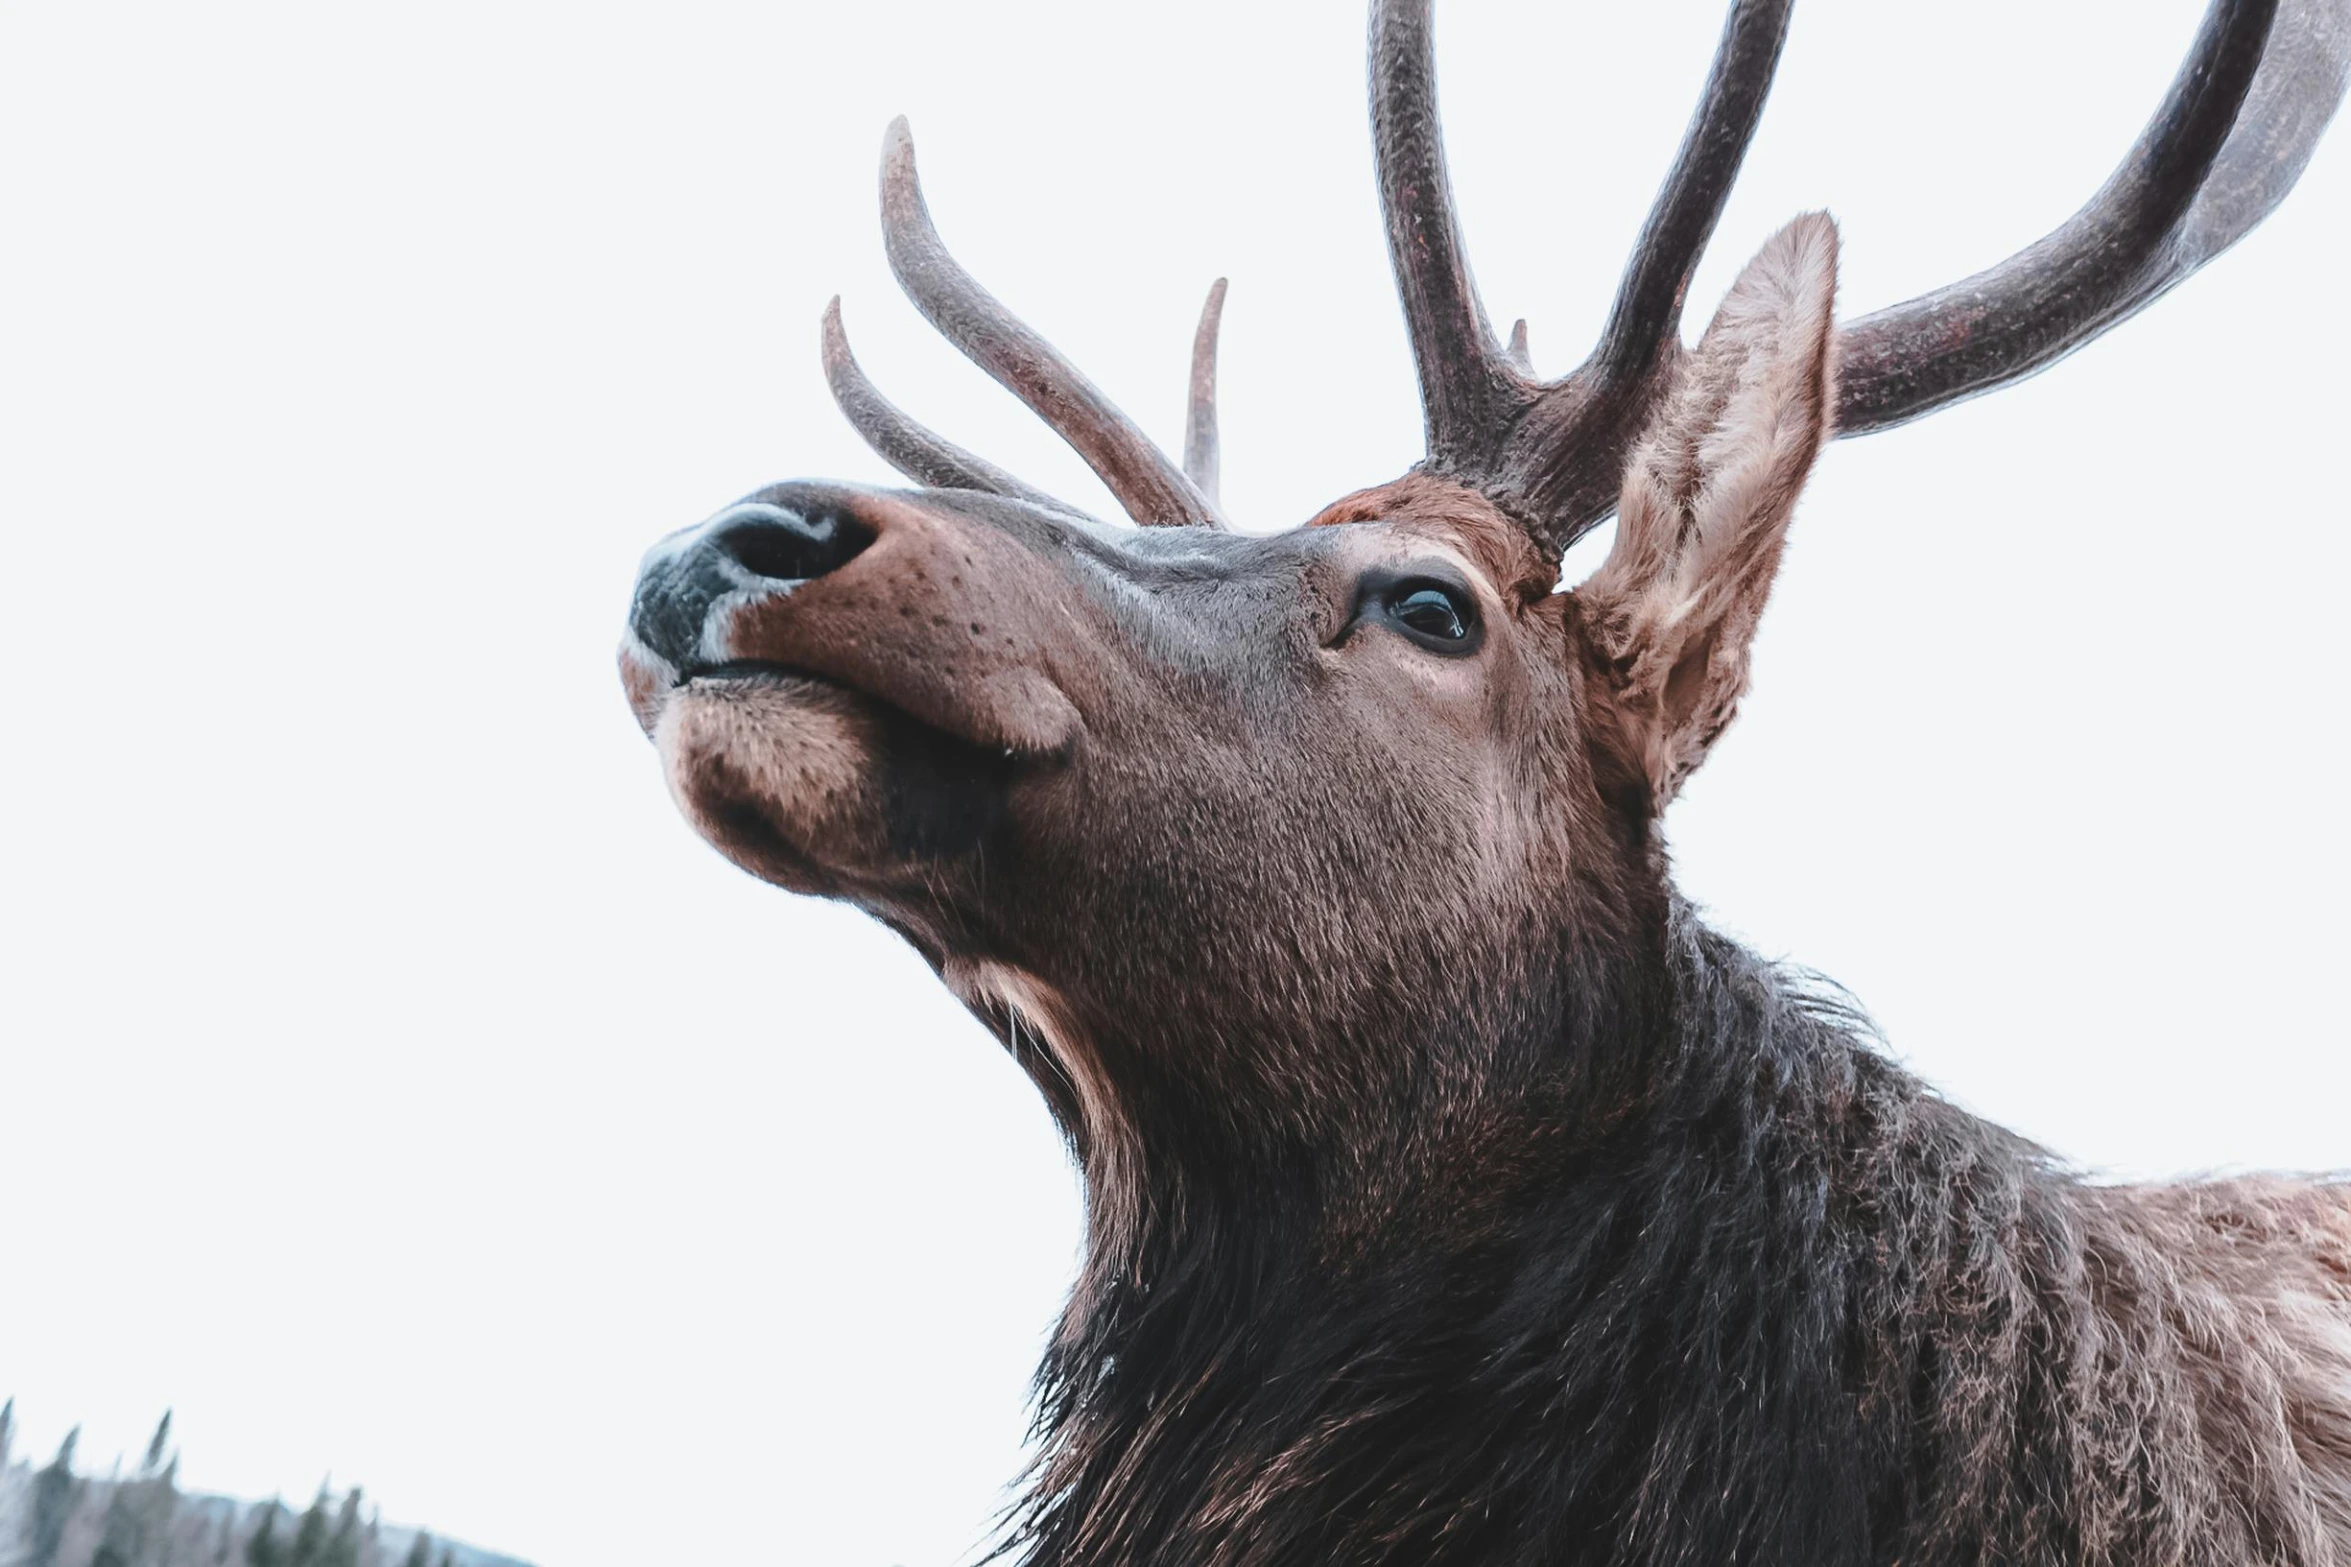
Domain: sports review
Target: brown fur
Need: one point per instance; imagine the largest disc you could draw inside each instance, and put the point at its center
(1454, 1196)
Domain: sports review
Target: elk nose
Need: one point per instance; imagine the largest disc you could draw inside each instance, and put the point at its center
(783, 544)
(752, 549)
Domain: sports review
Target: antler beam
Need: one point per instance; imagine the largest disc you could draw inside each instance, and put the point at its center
(2235, 130)
(1467, 390)
(1549, 452)
(2239, 124)
(2231, 137)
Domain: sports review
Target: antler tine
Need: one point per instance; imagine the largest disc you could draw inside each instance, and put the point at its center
(1649, 301)
(2231, 136)
(1522, 358)
(1153, 491)
(2304, 72)
(1550, 454)
(2236, 129)
(903, 444)
(1200, 459)
(1468, 393)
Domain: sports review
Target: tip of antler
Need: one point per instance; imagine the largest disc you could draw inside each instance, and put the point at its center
(836, 338)
(852, 392)
(1151, 489)
(1211, 321)
(921, 455)
(1200, 442)
(1519, 356)
(898, 155)
(906, 218)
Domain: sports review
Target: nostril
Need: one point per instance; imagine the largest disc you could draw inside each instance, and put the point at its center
(786, 545)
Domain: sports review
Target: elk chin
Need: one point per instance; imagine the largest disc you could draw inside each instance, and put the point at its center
(778, 772)
(821, 789)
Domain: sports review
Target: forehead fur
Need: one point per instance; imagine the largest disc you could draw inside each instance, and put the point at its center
(1450, 513)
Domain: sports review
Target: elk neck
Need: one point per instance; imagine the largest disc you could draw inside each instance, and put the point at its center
(1660, 1259)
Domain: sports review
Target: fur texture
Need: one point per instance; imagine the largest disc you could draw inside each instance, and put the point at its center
(1780, 1304)
(1707, 497)
(1453, 1195)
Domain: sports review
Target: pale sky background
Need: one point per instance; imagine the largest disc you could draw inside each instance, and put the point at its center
(391, 1083)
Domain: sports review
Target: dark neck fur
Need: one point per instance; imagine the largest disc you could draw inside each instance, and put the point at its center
(1785, 1307)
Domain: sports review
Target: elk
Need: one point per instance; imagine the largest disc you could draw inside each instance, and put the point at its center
(1454, 1194)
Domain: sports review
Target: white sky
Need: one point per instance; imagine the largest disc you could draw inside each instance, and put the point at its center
(392, 1083)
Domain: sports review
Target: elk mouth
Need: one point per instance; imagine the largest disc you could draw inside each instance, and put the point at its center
(811, 782)
(739, 669)
(777, 673)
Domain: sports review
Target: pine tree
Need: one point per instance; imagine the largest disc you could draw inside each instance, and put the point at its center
(56, 1494)
(448, 1556)
(310, 1536)
(139, 1513)
(7, 1431)
(119, 1535)
(265, 1549)
(420, 1551)
(342, 1548)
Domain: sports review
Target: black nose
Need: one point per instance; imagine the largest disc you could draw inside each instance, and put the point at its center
(753, 549)
(782, 544)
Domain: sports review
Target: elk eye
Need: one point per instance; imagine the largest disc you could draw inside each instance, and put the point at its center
(1434, 614)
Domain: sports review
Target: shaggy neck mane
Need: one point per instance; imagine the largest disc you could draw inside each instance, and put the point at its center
(1787, 1306)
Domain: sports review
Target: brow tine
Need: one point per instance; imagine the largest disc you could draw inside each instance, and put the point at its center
(1649, 301)
(2217, 156)
(1200, 455)
(1151, 489)
(1467, 389)
(905, 445)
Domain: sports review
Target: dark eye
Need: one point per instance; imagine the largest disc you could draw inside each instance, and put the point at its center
(1435, 614)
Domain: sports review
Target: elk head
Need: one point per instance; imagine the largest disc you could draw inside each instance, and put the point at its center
(1282, 860)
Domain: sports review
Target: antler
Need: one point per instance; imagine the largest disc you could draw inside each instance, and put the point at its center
(1648, 305)
(1151, 489)
(1549, 453)
(2228, 142)
(903, 444)
(1466, 390)
(1200, 462)
(2235, 131)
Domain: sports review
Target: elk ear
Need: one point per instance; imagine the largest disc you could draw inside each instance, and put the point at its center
(1707, 495)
